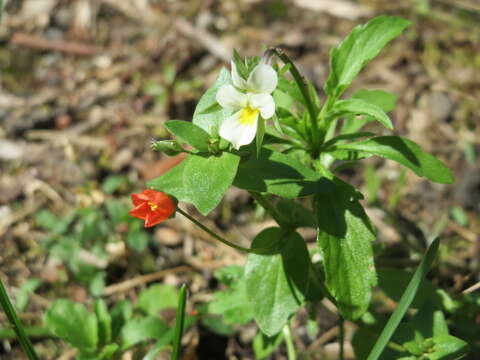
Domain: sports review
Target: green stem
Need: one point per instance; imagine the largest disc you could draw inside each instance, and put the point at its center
(16, 323)
(221, 239)
(32, 332)
(267, 205)
(179, 322)
(341, 336)
(292, 355)
(306, 95)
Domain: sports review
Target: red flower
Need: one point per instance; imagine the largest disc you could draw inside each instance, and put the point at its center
(152, 206)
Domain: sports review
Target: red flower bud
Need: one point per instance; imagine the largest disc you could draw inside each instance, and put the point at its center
(152, 206)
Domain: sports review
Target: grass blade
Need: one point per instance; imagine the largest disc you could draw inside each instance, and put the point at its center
(16, 323)
(179, 322)
(405, 301)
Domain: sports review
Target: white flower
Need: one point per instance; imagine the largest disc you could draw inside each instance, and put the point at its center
(241, 127)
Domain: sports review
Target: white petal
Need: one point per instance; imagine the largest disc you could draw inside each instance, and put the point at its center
(264, 103)
(230, 98)
(238, 81)
(262, 79)
(237, 133)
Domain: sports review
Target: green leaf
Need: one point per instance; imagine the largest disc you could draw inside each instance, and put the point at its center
(405, 152)
(25, 291)
(104, 322)
(189, 133)
(344, 237)
(296, 213)
(357, 49)
(232, 303)
(279, 174)
(158, 297)
(201, 181)
(210, 121)
(383, 99)
(121, 312)
(360, 107)
(72, 323)
(108, 352)
(276, 283)
(263, 345)
(447, 347)
(179, 322)
(142, 329)
(259, 135)
(405, 301)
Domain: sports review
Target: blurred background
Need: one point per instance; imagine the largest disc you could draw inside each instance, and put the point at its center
(85, 85)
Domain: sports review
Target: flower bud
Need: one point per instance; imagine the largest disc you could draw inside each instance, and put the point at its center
(169, 147)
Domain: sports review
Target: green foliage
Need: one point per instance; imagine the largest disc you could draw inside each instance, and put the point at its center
(148, 299)
(25, 291)
(297, 158)
(203, 116)
(263, 345)
(360, 107)
(279, 174)
(362, 45)
(189, 181)
(137, 330)
(405, 152)
(344, 237)
(73, 323)
(82, 235)
(232, 303)
(189, 133)
(276, 283)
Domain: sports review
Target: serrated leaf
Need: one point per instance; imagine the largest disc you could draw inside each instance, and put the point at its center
(199, 180)
(189, 133)
(142, 329)
(359, 107)
(345, 238)
(73, 323)
(276, 283)
(362, 45)
(405, 152)
(158, 297)
(279, 174)
(211, 120)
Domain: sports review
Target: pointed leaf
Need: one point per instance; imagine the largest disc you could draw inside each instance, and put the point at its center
(362, 45)
(360, 107)
(104, 323)
(203, 116)
(189, 133)
(405, 152)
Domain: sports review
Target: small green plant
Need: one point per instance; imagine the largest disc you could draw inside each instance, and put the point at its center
(259, 130)
(263, 128)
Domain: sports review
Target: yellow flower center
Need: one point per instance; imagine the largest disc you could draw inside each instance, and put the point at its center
(152, 205)
(248, 116)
